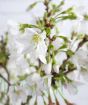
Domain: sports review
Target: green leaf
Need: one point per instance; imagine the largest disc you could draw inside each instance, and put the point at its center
(3, 58)
(32, 5)
(71, 16)
(52, 21)
(24, 26)
(53, 61)
(61, 3)
(56, 8)
(67, 14)
(63, 46)
(70, 53)
(40, 23)
(86, 17)
(64, 38)
(50, 47)
(48, 31)
(48, 57)
(69, 10)
(71, 66)
(42, 73)
(23, 77)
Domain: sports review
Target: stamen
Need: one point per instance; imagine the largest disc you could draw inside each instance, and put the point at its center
(36, 38)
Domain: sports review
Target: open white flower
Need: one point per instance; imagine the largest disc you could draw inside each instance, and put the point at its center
(80, 59)
(72, 86)
(74, 44)
(18, 67)
(33, 56)
(80, 26)
(84, 74)
(34, 44)
(13, 28)
(58, 43)
(17, 95)
(13, 45)
(35, 84)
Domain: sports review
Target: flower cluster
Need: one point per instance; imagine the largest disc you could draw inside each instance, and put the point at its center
(37, 61)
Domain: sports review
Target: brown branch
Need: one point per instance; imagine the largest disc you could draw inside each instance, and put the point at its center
(85, 39)
(46, 2)
(27, 100)
(57, 102)
(69, 71)
(5, 80)
(48, 24)
(50, 102)
(8, 77)
(68, 103)
(7, 101)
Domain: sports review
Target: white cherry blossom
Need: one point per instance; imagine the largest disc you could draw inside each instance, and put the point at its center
(17, 95)
(72, 87)
(34, 44)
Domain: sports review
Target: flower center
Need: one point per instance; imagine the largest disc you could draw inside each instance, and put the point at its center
(36, 38)
(18, 92)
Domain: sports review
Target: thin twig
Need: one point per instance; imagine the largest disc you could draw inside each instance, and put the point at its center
(8, 77)
(5, 80)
